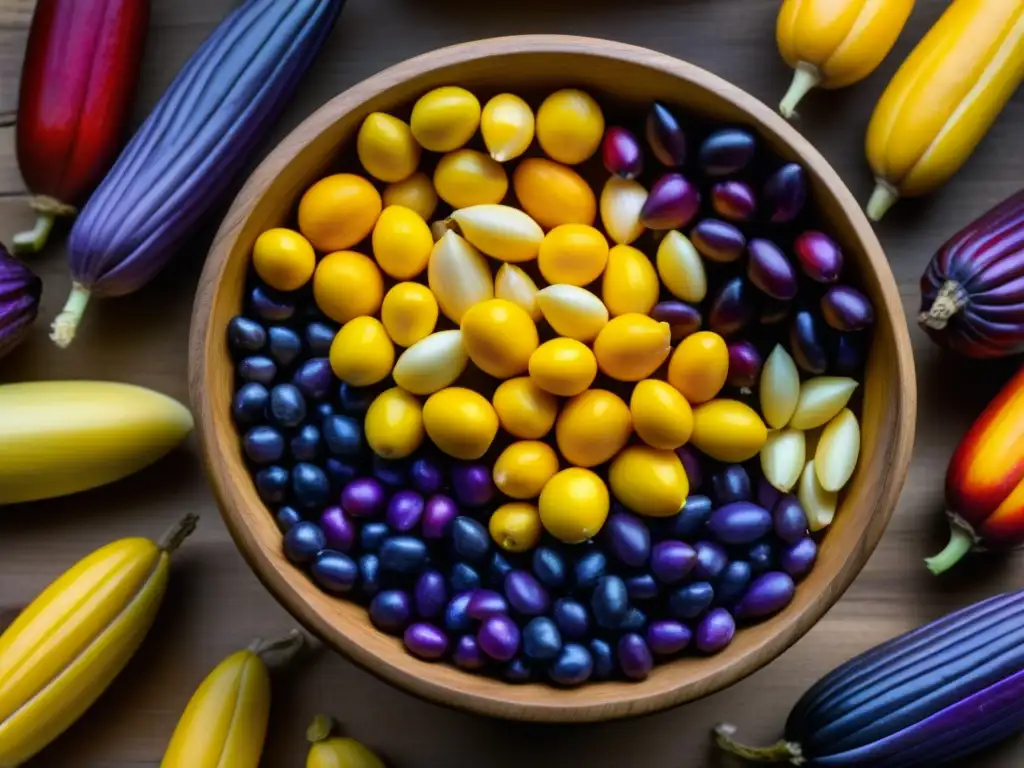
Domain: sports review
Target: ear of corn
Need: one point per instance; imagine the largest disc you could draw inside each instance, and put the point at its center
(944, 99)
(225, 722)
(835, 43)
(61, 437)
(328, 751)
(70, 643)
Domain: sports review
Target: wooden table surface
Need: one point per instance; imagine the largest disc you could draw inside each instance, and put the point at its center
(216, 605)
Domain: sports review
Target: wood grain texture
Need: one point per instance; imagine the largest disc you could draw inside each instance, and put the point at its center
(620, 73)
(216, 605)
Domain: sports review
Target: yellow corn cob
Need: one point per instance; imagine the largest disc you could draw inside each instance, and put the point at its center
(68, 645)
(326, 751)
(944, 99)
(61, 437)
(835, 43)
(225, 722)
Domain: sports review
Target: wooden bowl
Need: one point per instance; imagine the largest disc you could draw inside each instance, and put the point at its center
(621, 74)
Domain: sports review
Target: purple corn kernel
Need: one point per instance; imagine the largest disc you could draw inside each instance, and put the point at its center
(734, 200)
(731, 310)
(439, 513)
(498, 637)
(683, 319)
(715, 631)
(338, 528)
(718, 240)
(622, 154)
(667, 637)
(770, 271)
(768, 594)
(785, 193)
(425, 641)
(484, 603)
(672, 203)
(819, 257)
(744, 365)
(665, 136)
(726, 152)
(847, 309)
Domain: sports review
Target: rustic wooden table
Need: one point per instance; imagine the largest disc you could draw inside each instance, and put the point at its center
(216, 605)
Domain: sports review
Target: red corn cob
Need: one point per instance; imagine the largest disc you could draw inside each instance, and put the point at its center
(77, 84)
(985, 480)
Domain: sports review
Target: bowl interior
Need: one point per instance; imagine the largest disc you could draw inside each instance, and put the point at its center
(631, 77)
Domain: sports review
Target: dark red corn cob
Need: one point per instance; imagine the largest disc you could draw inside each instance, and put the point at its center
(79, 77)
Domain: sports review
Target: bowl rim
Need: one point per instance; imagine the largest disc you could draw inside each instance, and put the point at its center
(493, 698)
